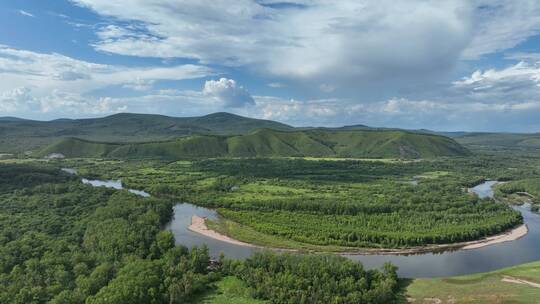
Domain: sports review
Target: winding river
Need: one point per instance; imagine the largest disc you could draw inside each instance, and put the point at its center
(525, 249)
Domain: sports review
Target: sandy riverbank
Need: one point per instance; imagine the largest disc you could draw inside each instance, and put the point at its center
(198, 225)
(511, 235)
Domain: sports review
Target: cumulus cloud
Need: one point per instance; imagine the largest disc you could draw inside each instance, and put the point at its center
(319, 40)
(22, 100)
(228, 92)
(368, 49)
(63, 103)
(18, 99)
(54, 83)
(445, 115)
(517, 83)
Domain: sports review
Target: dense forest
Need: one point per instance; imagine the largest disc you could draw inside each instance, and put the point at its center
(292, 278)
(65, 242)
(348, 203)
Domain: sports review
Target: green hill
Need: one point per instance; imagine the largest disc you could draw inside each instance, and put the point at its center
(501, 140)
(272, 143)
(17, 135)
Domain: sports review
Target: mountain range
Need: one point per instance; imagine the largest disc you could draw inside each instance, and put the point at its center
(220, 135)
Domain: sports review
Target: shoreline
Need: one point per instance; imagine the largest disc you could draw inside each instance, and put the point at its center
(198, 225)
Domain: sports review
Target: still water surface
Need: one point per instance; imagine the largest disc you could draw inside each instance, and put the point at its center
(115, 184)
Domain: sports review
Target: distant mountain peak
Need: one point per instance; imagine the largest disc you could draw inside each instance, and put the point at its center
(11, 118)
(222, 114)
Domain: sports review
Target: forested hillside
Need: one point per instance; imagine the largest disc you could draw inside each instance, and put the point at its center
(19, 135)
(273, 143)
(500, 141)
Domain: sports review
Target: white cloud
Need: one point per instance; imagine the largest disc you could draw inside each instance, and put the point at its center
(517, 83)
(501, 24)
(62, 103)
(523, 56)
(342, 41)
(22, 100)
(321, 40)
(46, 72)
(140, 84)
(228, 92)
(56, 84)
(15, 100)
(25, 13)
(446, 115)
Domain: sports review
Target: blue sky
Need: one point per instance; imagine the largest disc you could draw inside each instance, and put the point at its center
(443, 65)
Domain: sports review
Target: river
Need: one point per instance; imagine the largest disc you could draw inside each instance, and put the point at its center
(449, 263)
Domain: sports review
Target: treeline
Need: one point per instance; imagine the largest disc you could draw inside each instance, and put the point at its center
(382, 197)
(527, 187)
(290, 278)
(393, 230)
(469, 168)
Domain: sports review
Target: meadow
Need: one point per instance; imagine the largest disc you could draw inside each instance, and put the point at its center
(517, 284)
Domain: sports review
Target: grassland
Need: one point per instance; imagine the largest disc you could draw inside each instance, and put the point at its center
(230, 290)
(491, 287)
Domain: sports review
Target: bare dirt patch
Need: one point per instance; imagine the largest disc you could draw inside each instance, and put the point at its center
(509, 279)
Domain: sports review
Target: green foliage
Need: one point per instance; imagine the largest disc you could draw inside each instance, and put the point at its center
(508, 141)
(357, 204)
(527, 188)
(290, 278)
(63, 242)
(231, 290)
(392, 230)
(137, 282)
(22, 135)
(273, 143)
(332, 203)
(480, 288)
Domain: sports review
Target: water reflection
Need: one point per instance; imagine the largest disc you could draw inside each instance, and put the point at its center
(115, 184)
(447, 263)
(525, 249)
(184, 236)
(484, 189)
(70, 171)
